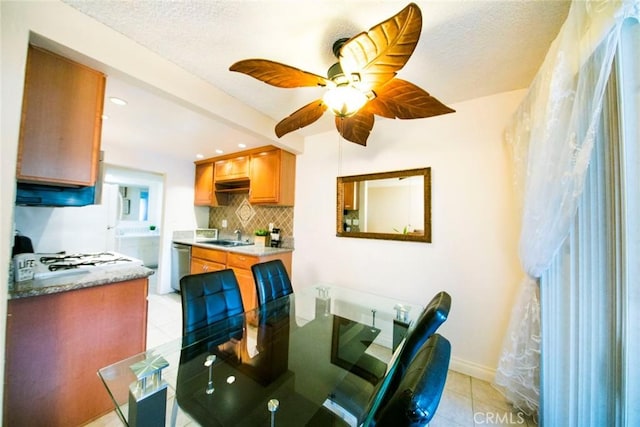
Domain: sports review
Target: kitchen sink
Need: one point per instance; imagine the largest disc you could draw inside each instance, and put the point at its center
(228, 243)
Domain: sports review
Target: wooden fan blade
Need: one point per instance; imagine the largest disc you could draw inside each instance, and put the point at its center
(277, 74)
(356, 128)
(404, 100)
(377, 54)
(301, 118)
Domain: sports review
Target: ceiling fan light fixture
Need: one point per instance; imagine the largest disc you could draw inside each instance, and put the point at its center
(366, 70)
(344, 100)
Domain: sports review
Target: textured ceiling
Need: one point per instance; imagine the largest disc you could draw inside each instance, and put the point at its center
(467, 49)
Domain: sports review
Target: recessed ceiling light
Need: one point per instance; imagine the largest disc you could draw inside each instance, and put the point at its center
(199, 156)
(105, 117)
(118, 101)
(219, 151)
(242, 145)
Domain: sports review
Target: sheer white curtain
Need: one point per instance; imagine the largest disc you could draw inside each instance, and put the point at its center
(551, 137)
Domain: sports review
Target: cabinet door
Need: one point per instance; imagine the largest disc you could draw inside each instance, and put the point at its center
(61, 121)
(241, 261)
(273, 178)
(265, 177)
(199, 265)
(241, 265)
(247, 288)
(205, 194)
(232, 169)
(209, 254)
(204, 184)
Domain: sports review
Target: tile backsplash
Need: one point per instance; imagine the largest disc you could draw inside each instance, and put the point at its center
(280, 216)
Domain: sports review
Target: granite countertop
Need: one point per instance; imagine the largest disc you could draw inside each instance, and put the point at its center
(78, 279)
(252, 250)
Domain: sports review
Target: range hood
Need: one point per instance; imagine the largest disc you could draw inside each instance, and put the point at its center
(55, 196)
(233, 186)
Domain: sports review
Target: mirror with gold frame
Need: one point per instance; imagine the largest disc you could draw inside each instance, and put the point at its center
(389, 205)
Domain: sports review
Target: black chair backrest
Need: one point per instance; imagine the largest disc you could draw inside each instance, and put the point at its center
(208, 298)
(272, 280)
(415, 401)
(434, 315)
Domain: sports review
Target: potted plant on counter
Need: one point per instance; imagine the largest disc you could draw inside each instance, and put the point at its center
(262, 238)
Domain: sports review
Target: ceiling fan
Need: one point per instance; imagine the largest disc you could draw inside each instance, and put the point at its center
(361, 84)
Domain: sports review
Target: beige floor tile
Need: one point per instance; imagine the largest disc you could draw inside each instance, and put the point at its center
(482, 391)
(157, 336)
(458, 383)
(456, 408)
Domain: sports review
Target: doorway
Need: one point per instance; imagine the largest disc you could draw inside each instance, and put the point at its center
(134, 200)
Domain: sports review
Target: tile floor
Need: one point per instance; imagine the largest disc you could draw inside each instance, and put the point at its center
(466, 402)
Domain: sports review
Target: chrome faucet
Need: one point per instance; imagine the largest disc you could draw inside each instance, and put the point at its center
(238, 234)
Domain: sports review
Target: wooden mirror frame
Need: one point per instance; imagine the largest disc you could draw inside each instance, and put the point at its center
(340, 208)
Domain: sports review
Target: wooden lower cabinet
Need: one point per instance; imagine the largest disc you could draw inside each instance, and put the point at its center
(205, 260)
(241, 265)
(247, 288)
(203, 266)
(55, 345)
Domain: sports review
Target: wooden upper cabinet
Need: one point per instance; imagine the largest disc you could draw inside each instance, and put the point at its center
(61, 121)
(267, 173)
(204, 184)
(205, 194)
(351, 196)
(273, 178)
(232, 169)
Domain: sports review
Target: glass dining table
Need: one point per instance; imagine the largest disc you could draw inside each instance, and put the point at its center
(315, 357)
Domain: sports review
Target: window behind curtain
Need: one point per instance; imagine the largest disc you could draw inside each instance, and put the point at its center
(629, 76)
(590, 296)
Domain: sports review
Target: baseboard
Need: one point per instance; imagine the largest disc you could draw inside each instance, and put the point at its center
(472, 369)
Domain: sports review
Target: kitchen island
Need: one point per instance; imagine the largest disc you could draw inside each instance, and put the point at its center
(60, 331)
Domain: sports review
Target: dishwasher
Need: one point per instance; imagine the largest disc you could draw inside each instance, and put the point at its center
(180, 263)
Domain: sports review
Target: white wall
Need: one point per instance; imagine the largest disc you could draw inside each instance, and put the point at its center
(474, 222)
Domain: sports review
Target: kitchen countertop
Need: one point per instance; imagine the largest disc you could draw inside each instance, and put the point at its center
(78, 279)
(252, 250)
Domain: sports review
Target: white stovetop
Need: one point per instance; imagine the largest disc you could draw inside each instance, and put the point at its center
(106, 260)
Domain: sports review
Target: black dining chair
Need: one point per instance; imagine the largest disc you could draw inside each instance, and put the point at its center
(272, 280)
(433, 315)
(208, 298)
(416, 399)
